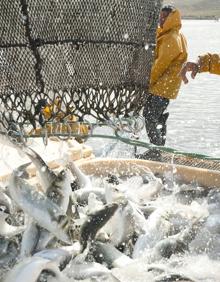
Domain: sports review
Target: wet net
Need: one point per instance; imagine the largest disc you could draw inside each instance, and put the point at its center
(60, 58)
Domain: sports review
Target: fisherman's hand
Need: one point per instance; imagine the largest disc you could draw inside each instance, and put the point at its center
(189, 67)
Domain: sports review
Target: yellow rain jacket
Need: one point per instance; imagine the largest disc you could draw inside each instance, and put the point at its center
(170, 55)
(209, 63)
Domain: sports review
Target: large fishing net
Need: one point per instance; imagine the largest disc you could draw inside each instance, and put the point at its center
(65, 58)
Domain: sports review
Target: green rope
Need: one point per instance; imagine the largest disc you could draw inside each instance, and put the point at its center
(163, 148)
(128, 141)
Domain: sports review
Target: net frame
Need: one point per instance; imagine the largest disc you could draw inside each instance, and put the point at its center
(93, 56)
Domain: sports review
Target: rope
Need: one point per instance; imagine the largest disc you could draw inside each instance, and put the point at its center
(163, 148)
(22, 137)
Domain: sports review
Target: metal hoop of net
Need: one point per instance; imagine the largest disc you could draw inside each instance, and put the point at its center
(64, 59)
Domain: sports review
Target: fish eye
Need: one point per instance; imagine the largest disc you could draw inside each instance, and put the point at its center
(61, 175)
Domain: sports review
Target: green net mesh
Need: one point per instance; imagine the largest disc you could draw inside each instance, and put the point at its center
(81, 57)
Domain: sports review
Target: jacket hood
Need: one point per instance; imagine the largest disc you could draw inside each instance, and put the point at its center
(173, 21)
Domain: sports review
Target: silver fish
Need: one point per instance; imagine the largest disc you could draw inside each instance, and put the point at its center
(140, 191)
(81, 196)
(29, 238)
(175, 244)
(6, 201)
(7, 230)
(60, 193)
(56, 187)
(95, 222)
(60, 190)
(83, 180)
(74, 249)
(30, 270)
(108, 254)
(127, 220)
(157, 228)
(47, 176)
(46, 213)
(60, 256)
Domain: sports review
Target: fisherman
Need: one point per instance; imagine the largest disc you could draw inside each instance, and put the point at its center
(205, 63)
(165, 82)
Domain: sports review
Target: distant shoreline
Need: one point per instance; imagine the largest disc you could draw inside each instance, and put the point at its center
(214, 18)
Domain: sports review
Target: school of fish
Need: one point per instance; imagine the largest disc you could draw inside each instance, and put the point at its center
(77, 227)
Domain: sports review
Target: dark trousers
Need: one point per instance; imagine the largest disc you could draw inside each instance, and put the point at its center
(155, 119)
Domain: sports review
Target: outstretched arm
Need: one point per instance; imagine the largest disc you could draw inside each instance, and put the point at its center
(210, 63)
(206, 63)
